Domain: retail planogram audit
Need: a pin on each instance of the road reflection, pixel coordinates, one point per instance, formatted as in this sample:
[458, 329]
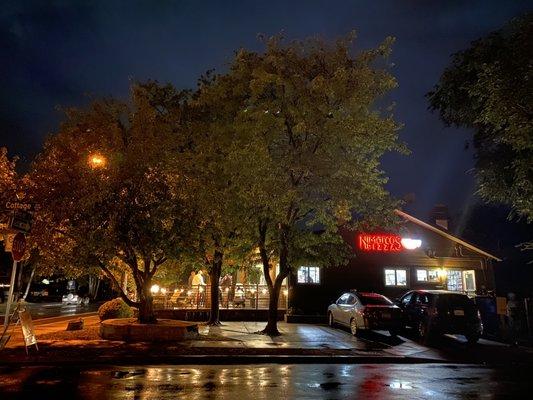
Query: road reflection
[262, 382]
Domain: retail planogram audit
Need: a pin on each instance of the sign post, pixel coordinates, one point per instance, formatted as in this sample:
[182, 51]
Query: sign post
[17, 252]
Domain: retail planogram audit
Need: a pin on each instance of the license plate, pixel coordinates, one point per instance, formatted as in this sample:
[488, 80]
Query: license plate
[385, 315]
[459, 312]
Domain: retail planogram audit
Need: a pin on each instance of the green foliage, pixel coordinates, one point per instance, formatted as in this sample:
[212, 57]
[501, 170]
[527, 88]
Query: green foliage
[488, 88]
[306, 144]
[309, 138]
[127, 212]
[115, 308]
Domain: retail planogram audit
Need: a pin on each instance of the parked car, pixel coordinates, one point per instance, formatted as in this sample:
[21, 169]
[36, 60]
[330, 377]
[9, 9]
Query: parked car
[362, 311]
[73, 298]
[439, 311]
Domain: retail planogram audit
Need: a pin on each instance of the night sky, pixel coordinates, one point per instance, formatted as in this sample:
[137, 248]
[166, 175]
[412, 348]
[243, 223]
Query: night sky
[58, 52]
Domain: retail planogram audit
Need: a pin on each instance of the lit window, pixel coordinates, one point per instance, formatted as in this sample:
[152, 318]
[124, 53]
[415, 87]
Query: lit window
[433, 275]
[421, 275]
[395, 277]
[309, 275]
[427, 275]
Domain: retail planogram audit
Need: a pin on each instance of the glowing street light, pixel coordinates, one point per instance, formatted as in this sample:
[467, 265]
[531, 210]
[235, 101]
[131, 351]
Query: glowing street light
[154, 289]
[97, 160]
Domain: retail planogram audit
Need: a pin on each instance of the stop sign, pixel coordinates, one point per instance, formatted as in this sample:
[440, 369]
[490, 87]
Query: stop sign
[19, 247]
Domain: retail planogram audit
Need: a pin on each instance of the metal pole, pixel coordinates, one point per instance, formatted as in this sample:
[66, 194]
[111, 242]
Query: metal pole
[10, 295]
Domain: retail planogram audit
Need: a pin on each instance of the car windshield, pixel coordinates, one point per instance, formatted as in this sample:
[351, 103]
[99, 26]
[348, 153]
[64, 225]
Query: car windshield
[454, 300]
[374, 299]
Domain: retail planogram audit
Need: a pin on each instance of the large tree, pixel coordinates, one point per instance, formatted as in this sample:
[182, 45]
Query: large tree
[306, 154]
[488, 88]
[108, 200]
[210, 184]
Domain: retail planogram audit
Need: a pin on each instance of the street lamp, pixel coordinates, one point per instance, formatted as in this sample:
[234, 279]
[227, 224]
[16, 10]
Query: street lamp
[97, 160]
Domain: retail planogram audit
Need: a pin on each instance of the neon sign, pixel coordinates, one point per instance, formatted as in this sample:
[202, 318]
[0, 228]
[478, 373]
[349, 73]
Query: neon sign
[385, 243]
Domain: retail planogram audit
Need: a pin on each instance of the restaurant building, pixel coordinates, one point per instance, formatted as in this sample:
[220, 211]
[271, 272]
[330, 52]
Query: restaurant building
[419, 255]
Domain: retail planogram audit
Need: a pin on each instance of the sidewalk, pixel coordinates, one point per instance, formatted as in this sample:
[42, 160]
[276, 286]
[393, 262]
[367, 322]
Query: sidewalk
[238, 342]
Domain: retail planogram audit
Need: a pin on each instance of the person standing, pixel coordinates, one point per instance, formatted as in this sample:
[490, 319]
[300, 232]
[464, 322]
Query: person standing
[198, 283]
[225, 286]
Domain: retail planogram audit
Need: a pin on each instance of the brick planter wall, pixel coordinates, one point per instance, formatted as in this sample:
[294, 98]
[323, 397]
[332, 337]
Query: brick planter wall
[128, 329]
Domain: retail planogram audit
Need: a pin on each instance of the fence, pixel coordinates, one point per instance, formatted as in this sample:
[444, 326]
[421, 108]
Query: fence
[240, 296]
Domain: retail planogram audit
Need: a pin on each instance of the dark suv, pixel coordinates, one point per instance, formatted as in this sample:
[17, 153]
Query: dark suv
[440, 311]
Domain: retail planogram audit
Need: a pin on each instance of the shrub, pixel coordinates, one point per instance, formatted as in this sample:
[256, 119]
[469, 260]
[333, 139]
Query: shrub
[115, 308]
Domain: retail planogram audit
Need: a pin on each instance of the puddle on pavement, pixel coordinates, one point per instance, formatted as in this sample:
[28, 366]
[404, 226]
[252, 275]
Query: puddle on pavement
[400, 385]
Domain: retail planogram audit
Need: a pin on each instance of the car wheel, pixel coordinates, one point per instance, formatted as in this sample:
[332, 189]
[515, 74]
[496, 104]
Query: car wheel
[331, 320]
[353, 327]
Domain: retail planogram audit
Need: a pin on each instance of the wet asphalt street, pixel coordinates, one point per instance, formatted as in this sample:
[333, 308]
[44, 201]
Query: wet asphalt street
[57, 309]
[267, 381]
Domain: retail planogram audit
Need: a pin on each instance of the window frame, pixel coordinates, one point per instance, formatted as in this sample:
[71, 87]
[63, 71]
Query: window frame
[428, 272]
[338, 302]
[409, 297]
[308, 267]
[396, 269]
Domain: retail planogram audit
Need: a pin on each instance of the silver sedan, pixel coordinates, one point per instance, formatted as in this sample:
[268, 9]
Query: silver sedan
[362, 310]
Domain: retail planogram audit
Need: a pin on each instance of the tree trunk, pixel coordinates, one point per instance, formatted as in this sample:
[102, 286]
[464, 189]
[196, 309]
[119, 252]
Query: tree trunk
[214, 275]
[94, 284]
[146, 304]
[97, 287]
[271, 329]
[274, 289]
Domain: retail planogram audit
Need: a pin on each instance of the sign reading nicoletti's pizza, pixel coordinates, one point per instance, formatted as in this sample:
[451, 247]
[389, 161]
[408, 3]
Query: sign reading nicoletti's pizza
[386, 243]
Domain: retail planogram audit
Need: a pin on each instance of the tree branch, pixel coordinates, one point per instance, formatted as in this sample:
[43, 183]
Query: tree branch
[263, 253]
[110, 275]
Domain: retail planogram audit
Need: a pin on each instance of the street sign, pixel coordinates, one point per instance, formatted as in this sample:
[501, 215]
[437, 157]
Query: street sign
[21, 221]
[18, 247]
[19, 205]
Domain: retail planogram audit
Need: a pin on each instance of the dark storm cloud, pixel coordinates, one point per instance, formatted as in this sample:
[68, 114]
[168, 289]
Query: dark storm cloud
[55, 52]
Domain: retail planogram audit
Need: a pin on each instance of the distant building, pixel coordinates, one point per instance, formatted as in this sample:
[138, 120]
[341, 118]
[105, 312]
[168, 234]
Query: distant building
[420, 255]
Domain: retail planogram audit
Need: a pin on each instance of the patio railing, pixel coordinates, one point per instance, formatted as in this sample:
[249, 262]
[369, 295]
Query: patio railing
[240, 296]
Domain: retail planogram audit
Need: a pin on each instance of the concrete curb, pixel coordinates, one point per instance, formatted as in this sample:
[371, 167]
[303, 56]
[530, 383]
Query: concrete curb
[224, 359]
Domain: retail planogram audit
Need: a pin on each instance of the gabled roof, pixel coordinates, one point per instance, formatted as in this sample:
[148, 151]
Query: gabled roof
[444, 234]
